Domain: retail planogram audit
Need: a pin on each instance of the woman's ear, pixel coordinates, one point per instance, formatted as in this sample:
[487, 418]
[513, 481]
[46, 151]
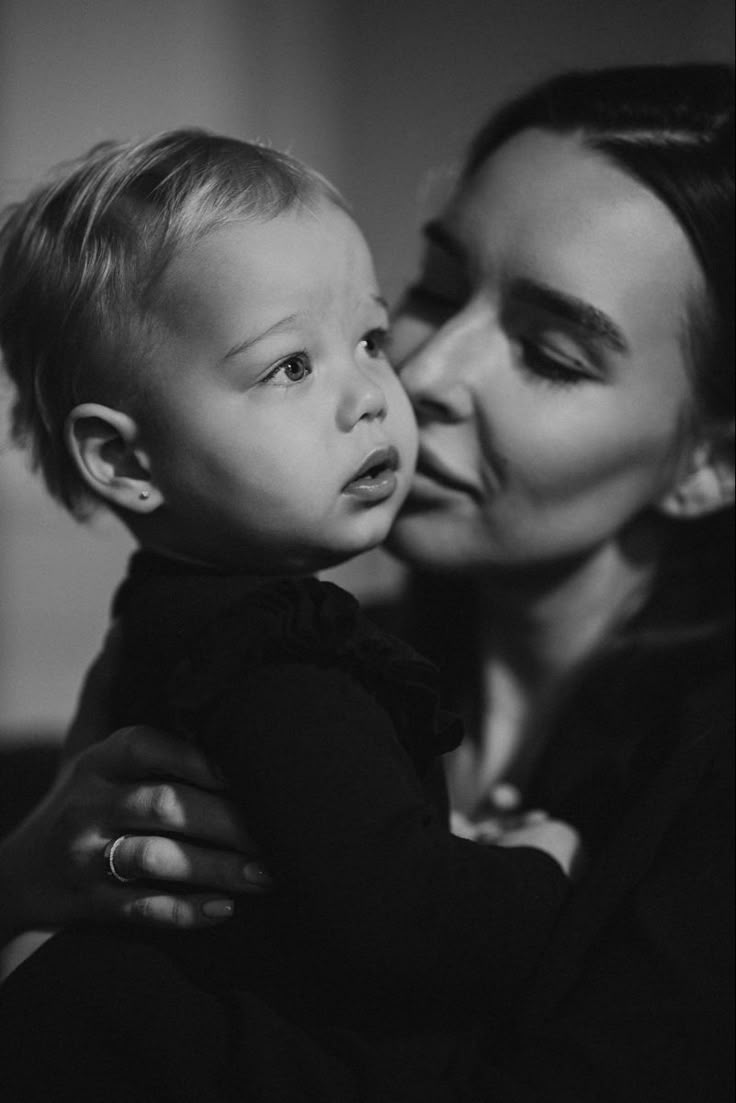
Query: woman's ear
[708, 484]
[105, 446]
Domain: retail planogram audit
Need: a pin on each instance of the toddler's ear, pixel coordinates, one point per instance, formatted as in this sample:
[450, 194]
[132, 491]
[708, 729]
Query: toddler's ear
[105, 446]
[708, 484]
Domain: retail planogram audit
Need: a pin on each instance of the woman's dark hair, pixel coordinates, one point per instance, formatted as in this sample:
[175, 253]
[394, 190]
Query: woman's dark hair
[671, 128]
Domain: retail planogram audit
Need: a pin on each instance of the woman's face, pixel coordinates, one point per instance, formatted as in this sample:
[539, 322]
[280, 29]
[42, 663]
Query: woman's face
[544, 348]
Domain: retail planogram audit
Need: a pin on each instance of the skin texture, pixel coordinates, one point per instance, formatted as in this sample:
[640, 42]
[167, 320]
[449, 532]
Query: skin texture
[540, 440]
[271, 388]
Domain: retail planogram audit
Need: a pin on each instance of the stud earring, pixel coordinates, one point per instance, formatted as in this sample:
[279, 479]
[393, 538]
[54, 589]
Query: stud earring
[144, 494]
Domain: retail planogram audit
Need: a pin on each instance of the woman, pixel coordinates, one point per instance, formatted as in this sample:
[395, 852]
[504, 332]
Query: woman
[569, 352]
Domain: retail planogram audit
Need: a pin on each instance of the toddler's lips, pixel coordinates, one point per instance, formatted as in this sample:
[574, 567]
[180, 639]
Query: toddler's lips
[375, 479]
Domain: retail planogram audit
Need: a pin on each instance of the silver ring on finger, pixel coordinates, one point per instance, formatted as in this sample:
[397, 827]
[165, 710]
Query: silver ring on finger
[109, 852]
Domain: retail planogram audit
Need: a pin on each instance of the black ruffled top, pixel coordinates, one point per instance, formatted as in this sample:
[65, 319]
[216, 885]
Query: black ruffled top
[189, 633]
[386, 942]
[329, 732]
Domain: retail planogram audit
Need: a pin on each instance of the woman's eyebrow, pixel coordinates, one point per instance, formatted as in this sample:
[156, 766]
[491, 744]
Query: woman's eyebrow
[582, 315]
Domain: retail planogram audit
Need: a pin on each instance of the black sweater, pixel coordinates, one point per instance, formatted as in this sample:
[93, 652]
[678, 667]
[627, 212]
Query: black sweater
[388, 941]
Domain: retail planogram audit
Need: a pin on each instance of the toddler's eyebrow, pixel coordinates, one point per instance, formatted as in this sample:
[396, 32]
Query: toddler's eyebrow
[277, 327]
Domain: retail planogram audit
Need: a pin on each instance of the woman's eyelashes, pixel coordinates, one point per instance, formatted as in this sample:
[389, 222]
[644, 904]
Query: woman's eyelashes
[544, 362]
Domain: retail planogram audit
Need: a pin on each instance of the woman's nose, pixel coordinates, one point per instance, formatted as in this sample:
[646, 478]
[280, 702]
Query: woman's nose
[362, 399]
[433, 375]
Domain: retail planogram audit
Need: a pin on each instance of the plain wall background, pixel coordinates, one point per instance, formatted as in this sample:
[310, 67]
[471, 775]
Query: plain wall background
[381, 95]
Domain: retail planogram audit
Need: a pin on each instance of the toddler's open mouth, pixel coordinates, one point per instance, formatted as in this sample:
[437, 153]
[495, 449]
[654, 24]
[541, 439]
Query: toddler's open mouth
[375, 479]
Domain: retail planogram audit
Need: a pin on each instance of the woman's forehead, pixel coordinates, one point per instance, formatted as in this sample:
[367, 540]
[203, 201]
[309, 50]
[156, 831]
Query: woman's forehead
[553, 184]
[547, 208]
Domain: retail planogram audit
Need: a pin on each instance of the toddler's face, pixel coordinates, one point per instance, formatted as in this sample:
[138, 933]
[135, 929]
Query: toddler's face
[279, 435]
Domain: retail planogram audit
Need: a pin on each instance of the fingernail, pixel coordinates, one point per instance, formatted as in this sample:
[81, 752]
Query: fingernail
[255, 874]
[218, 909]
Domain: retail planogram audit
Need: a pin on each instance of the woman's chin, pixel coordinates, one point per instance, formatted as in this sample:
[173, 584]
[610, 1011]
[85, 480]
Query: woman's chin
[426, 544]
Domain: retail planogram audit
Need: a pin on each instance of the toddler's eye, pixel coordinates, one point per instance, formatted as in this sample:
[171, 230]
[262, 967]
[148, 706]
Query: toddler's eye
[374, 342]
[294, 369]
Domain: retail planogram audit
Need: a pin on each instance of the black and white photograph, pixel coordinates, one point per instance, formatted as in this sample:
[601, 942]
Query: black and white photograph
[366, 551]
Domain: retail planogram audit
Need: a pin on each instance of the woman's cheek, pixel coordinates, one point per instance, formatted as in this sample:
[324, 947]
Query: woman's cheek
[616, 472]
[408, 335]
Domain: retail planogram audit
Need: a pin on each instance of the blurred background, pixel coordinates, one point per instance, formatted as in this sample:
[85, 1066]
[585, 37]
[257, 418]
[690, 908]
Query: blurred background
[381, 95]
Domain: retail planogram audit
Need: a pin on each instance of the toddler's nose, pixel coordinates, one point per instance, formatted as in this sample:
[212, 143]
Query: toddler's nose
[363, 398]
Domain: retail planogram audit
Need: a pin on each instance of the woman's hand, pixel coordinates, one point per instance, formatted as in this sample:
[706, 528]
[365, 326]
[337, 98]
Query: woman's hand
[181, 843]
[558, 839]
[532, 828]
[184, 848]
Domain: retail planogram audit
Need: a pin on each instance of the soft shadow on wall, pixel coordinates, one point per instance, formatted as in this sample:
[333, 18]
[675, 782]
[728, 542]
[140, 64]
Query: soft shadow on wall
[380, 96]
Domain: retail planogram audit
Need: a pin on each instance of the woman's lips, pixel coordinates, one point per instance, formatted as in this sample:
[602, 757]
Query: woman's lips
[375, 480]
[431, 470]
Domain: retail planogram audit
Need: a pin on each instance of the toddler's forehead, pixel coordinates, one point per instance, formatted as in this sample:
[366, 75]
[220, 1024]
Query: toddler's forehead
[252, 235]
[300, 260]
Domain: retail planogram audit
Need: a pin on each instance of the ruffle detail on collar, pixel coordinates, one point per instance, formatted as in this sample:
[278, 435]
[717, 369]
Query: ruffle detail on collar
[305, 619]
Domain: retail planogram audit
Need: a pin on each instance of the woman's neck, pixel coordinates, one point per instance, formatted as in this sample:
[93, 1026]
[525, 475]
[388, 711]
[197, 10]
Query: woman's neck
[543, 624]
[535, 631]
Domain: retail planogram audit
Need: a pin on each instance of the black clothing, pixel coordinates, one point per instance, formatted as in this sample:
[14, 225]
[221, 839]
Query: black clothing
[633, 998]
[632, 1001]
[387, 942]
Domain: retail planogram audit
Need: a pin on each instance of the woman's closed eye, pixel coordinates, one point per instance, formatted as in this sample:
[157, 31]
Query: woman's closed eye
[291, 370]
[550, 364]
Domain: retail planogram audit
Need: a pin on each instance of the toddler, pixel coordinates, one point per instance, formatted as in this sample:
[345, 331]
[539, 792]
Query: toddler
[198, 341]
